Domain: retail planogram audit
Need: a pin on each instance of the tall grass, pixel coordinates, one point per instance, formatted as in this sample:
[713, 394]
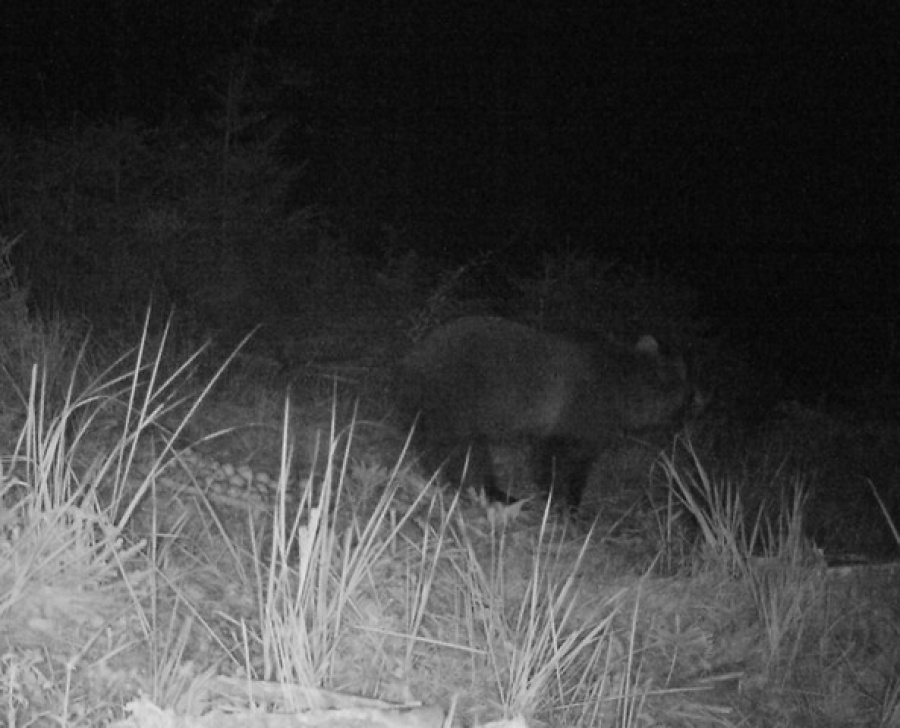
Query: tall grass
[68, 504]
[546, 658]
[410, 594]
[316, 570]
[780, 569]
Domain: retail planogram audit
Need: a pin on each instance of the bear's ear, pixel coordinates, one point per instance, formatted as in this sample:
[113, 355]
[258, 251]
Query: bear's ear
[647, 345]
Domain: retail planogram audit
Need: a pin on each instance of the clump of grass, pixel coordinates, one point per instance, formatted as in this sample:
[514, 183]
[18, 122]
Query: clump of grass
[551, 647]
[68, 503]
[316, 570]
[781, 570]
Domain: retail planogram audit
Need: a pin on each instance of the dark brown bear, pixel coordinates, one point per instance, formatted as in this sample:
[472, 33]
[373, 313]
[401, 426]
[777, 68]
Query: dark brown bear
[482, 381]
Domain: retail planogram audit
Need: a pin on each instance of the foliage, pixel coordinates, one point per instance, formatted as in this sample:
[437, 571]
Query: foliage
[117, 214]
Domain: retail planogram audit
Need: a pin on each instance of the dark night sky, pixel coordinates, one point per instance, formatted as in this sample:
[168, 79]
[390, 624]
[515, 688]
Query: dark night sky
[753, 148]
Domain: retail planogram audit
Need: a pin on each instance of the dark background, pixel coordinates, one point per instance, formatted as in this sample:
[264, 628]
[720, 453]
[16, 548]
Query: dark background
[749, 149]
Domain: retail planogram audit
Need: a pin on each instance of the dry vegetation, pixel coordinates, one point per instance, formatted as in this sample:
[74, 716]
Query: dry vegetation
[136, 591]
[363, 594]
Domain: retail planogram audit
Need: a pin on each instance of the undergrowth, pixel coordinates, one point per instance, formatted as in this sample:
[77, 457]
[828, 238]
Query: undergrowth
[124, 601]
